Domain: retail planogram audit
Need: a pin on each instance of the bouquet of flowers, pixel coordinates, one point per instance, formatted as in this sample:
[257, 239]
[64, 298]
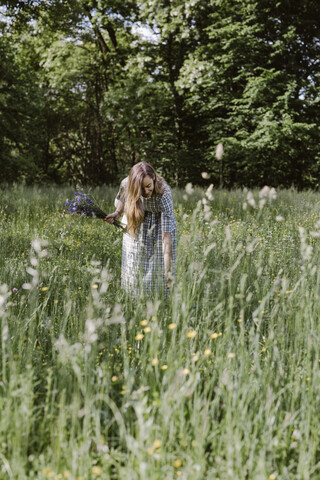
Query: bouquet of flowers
[83, 205]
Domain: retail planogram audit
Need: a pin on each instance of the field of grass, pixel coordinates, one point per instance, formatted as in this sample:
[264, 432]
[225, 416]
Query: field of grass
[219, 381]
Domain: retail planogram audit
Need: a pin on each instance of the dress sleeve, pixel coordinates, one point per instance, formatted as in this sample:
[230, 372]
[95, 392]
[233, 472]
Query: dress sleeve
[122, 194]
[167, 213]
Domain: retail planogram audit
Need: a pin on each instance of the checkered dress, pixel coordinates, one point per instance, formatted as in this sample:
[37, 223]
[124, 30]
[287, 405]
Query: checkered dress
[142, 267]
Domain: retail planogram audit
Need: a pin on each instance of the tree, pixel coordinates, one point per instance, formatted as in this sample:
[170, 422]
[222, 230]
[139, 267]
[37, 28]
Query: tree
[80, 50]
[17, 156]
[257, 90]
[88, 95]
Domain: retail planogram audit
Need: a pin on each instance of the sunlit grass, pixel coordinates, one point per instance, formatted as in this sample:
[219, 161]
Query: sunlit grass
[219, 381]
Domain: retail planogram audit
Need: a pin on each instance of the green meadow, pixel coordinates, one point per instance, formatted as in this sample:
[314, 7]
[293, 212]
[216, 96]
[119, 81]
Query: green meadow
[220, 381]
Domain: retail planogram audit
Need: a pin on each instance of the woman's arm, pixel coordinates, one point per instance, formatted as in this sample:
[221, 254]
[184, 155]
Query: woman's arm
[119, 202]
[119, 210]
[119, 207]
[167, 257]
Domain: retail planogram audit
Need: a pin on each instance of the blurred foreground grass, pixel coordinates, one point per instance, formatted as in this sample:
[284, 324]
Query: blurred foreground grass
[220, 381]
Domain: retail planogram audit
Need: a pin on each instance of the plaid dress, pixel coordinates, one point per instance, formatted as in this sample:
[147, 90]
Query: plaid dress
[142, 266]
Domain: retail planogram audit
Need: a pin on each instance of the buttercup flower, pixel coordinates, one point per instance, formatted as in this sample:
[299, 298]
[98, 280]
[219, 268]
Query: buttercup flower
[215, 335]
[191, 333]
[172, 326]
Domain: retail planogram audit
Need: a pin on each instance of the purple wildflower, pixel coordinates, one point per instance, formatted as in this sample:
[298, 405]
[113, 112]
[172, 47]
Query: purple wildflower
[83, 205]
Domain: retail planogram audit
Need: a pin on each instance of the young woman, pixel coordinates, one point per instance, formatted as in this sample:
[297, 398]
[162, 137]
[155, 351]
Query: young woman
[150, 244]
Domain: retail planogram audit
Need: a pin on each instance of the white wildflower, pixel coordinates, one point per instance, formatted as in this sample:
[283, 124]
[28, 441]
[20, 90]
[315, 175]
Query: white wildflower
[189, 188]
[264, 192]
[251, 200]
[272, 194]
[219, 151]
[262, 203]
[296, 434]
[209, 192]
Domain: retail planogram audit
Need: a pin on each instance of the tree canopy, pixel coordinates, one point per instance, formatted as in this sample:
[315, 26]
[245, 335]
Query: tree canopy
[90, 87]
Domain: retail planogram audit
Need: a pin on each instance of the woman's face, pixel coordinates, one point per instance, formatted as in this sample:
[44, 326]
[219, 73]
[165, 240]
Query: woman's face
[147, 186]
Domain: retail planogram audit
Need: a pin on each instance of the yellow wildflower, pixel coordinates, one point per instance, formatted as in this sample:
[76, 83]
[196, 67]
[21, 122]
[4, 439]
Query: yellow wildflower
[191, 334]
[96, 471]
[157, 443]
[139, 336]
[215, 335]
[47, 472]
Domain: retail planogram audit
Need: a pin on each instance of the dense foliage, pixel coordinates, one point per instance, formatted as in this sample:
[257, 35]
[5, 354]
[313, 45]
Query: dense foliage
[88, 88]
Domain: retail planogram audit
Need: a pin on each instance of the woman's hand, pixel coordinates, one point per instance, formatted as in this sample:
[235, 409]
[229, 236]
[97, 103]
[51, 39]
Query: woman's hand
[111, 217]
[169, 279]
[117, 214]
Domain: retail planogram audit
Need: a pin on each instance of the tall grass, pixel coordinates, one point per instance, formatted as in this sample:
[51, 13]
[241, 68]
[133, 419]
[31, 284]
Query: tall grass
[220, 381]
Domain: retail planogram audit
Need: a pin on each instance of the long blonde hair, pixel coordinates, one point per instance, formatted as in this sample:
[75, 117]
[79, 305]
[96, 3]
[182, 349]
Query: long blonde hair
[133, 206]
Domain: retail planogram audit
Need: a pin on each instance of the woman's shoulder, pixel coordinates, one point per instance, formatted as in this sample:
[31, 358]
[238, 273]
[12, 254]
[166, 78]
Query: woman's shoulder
[123, 190]
[124, 182]
[166, 198]
[124, 185]
[166, 191]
